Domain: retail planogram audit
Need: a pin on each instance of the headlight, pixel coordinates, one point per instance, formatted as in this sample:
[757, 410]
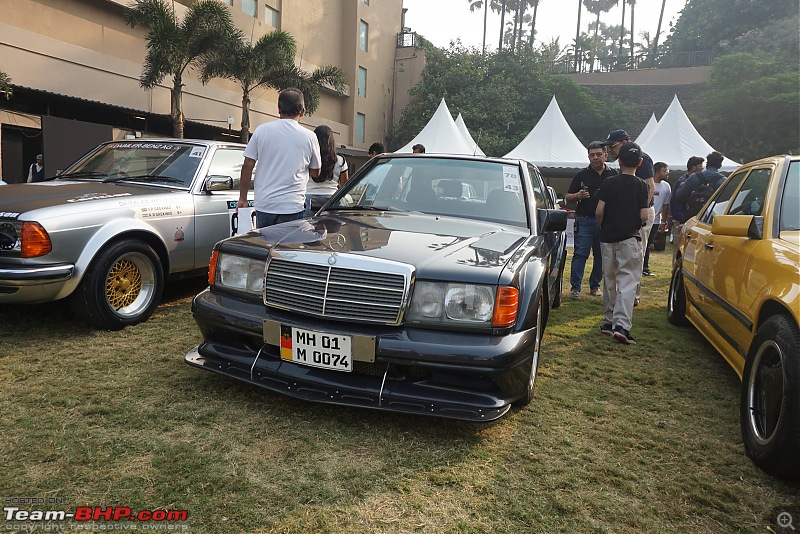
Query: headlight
[452, 303]
[240, 273]
[28, 239]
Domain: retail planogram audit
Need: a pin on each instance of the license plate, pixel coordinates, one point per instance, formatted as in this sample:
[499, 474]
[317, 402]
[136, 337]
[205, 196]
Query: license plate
[317, 349]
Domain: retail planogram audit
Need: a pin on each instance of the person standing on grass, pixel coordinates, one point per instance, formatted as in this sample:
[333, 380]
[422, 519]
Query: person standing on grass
[622, 210]
[375, 149]
[661, 196]
[288, 154]
[583, 190]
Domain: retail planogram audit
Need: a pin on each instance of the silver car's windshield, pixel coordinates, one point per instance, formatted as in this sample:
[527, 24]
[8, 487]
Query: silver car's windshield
[167, 163]
[473, 189]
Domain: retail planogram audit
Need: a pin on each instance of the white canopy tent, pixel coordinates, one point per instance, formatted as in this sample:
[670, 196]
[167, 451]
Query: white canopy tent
[675, 140]
[647, 131]
[441, 135]
[462, 127]
[552, 143]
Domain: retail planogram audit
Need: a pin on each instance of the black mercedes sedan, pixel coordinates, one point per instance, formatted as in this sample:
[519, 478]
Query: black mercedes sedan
[422, 286]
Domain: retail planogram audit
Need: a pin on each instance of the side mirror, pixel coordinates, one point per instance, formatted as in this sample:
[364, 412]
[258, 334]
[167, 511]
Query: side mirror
[218, 183]
[553, 220]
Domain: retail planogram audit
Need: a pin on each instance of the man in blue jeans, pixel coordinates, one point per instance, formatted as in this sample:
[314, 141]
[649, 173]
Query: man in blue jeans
[583, 190]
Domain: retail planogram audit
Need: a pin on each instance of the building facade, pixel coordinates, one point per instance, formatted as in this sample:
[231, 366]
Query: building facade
[75, 63]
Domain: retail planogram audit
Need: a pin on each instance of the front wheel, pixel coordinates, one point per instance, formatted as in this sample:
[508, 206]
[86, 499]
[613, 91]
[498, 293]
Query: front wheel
[676, 302]
[770, 399]
[537, 345]
[121, 287]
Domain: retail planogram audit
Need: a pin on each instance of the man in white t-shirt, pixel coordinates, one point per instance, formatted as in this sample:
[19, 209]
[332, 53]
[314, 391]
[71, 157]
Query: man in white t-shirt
[662, 193]
[287, 154]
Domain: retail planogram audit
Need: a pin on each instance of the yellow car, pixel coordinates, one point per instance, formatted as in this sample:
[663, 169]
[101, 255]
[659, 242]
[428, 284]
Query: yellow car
[736, 278]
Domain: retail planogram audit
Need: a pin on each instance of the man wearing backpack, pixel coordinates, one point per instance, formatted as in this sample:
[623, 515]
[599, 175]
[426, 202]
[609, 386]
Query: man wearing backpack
[699, 187]
[695, 164]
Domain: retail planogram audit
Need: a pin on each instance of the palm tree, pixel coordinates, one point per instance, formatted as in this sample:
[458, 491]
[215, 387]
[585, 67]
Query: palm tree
[658, 32]
[502, 24]
[267, 63]
[621, 32]
[578, 37]
[597, 7]
[5, 85]
[481, 4]
[173, 46]
[633, 15]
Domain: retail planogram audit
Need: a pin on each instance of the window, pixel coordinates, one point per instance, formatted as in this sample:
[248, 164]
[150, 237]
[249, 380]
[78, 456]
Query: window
[229, 2]
[363, 32]
[719, 204]
[365, 2]
[790, 204]
[360, 120]
[228, 162]
[272, 17]
[250, 7]
[750, 198]
[362, 81]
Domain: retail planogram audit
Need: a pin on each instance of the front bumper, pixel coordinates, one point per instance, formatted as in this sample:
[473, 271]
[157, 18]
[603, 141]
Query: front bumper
[33, 283]
[455, 375]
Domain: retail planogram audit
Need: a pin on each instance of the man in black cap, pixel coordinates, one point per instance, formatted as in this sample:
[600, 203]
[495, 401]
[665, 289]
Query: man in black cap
[646, 171]
[622, 208]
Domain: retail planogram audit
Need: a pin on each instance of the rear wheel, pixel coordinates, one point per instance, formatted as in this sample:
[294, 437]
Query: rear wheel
[121, 287]
[770, 400]
[676, 302]
[537, 344]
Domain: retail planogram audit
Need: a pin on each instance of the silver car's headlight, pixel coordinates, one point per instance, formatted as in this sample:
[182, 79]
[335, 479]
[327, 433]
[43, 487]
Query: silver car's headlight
[240, 273]
[452, 303]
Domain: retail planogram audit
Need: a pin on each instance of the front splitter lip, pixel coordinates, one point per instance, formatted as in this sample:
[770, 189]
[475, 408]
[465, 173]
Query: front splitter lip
[345, 389]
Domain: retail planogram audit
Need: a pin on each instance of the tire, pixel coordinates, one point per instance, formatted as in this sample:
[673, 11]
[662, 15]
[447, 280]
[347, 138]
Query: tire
[121, 287]
[676, 302]
[770, 400]
[537, 345]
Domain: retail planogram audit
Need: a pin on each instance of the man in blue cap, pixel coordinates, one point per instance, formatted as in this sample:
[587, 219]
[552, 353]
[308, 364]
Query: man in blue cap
[646, 171]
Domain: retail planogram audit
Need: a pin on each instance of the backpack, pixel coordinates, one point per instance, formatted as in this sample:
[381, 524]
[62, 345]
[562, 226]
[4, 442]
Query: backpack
[700, 195]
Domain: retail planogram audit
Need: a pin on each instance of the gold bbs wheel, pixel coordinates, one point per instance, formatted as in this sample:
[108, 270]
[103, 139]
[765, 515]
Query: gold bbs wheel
[130, 284]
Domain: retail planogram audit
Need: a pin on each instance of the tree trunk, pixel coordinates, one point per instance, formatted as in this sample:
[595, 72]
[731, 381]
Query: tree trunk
[633, 51]
[485, 18]
[533, 23]
[518, 25]
[502, 25]
[658, 31]
[596, 35]
[176, 107]
[621, 33]
[244, 135]
[577, 38]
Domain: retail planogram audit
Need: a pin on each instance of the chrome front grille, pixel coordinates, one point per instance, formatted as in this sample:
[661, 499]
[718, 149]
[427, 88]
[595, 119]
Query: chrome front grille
[352, 289]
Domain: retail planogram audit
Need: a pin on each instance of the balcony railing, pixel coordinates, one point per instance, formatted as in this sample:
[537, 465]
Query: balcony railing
[406, 39]
[585, 64]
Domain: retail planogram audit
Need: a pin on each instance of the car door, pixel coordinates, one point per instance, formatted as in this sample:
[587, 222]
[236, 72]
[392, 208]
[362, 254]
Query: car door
[724, 263]
[215, 211]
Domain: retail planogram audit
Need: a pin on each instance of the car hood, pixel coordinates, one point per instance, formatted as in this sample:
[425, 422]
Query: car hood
[17, 199]
[441, 248]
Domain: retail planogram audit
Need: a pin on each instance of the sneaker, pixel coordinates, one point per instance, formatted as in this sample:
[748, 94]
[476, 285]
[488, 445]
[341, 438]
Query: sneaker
[596, 292]
[647, 272]
[607, 329]
[623, 336]
[574, 295]
[636, 302]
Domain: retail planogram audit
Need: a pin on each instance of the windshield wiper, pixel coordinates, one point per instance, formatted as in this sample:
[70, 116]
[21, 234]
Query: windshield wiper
[143, 178]
[364, 208]
[80, 174]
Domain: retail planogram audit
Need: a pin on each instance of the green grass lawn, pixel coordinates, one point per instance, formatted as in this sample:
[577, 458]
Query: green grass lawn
[641, 438]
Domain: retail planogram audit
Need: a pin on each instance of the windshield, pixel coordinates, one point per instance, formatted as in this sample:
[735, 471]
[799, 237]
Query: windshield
[473, 189]
[170, 163]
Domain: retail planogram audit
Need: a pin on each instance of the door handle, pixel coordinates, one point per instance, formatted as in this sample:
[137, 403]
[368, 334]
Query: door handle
[709, 246]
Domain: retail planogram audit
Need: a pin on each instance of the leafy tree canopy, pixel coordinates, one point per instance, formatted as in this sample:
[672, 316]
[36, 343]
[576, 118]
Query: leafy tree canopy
[501, 97]
[5, 85]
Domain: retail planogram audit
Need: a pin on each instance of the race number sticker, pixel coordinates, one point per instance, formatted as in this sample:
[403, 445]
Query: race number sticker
[243, 221]
[197, 152]
[511, 180]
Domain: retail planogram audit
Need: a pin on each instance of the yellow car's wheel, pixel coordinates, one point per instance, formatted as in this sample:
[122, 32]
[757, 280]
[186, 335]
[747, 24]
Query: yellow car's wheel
[676, 301]
[770, 401]
[121, 287]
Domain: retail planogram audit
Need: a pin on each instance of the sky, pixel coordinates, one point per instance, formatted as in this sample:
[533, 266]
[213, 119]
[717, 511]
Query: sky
[442, 21]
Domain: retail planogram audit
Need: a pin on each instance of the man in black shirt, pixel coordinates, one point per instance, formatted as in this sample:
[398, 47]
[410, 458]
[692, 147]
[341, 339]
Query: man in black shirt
[622, 209]
[583, 190]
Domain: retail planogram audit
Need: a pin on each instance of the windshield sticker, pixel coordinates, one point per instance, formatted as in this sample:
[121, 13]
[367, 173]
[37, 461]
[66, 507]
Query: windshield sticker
[97, 196]
[147, 145]
[511, 179]
[197, 152]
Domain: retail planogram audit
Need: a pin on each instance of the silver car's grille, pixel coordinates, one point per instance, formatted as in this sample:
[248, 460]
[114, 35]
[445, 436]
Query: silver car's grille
[336, 291]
